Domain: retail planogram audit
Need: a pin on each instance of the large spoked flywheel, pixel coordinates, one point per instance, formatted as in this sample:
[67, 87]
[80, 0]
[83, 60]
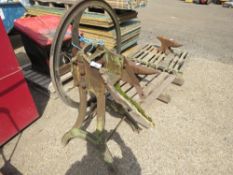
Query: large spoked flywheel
[67, 43]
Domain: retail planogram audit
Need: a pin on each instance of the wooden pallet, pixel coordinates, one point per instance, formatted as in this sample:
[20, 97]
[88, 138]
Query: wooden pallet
[150, 56]
[170, 72]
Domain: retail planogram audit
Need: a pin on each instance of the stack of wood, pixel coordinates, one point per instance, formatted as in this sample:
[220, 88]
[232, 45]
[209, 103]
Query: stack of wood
[98, 25]
[130, 32]
[88, 18]
[127, 4]
[116, 4]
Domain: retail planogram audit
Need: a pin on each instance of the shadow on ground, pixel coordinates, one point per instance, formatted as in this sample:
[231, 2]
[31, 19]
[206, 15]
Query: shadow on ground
[8, 168]
[40, 99]
[92, 165]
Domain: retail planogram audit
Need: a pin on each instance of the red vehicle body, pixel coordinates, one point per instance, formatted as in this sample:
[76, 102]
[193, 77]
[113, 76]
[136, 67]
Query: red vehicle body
[17, 108]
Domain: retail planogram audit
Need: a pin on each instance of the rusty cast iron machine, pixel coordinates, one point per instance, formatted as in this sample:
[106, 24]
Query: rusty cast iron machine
[96, 72]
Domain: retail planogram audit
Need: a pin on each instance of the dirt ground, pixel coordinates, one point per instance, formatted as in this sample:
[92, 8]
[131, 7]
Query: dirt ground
[193, 133]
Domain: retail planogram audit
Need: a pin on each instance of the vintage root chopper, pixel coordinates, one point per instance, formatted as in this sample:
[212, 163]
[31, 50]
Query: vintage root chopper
[101, 75]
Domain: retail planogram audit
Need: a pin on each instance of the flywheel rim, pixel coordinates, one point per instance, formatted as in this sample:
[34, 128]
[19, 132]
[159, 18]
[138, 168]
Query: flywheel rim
[75, 11]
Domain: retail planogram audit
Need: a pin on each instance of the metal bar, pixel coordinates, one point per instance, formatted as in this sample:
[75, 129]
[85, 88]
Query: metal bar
[115, 129]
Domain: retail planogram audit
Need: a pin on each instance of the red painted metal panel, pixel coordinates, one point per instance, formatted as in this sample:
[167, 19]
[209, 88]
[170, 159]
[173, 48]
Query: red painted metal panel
[37, 36]
[17, 108]
[41, 29]
[8, 65]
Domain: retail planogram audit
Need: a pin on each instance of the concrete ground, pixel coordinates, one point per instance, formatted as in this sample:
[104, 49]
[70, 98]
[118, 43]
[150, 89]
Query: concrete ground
[205, 31]
[193, 133]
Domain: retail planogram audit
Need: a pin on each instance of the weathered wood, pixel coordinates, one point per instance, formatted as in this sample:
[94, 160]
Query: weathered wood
[150, 56]
[180, 62]
[67, 6]
[140, 51]
[156, 89]
[172, 64]
[164, 98]
[51, 5]
[116, 4]
[89, 18]
[179, 80]
[160, 57]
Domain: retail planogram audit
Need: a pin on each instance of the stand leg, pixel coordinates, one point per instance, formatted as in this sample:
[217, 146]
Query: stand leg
[100, 113]
[82, 108]
[81, 116]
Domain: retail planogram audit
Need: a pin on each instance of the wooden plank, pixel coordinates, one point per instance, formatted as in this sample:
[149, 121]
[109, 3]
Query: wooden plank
[141, 51]
[145, 81]
[161, 56]
[110, 40]
[115, 4]
[156, 89]
[155, 57]
[149, 56]
[179, 80]
[131, 50]
[88, 18]
[173, 63]
[165, 98]
[180, 62]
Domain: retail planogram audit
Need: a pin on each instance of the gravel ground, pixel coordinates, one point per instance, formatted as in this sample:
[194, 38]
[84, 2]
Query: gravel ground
[193, 133]
[205, 31]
